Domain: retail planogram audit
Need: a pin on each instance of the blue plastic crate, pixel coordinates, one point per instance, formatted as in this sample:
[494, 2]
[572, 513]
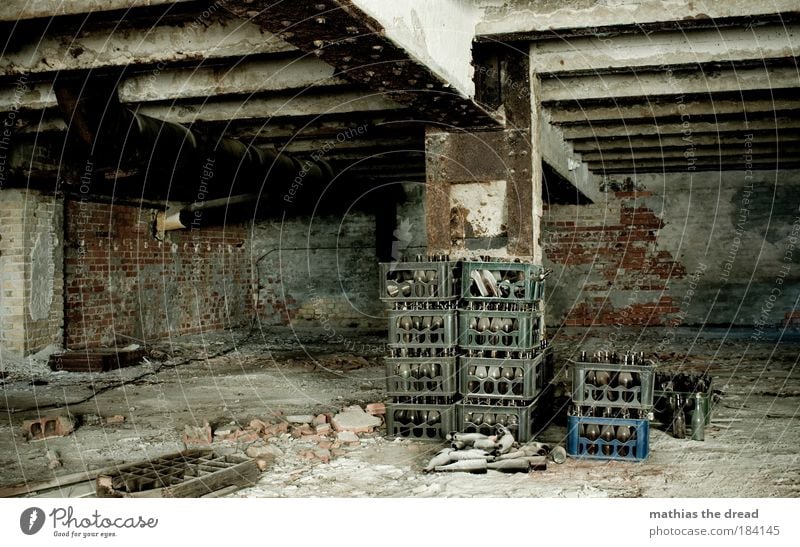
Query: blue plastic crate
[637, 448]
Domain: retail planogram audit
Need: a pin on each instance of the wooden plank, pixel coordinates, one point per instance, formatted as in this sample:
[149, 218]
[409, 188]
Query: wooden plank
[243, 474]
[57, 482]
[99, 360]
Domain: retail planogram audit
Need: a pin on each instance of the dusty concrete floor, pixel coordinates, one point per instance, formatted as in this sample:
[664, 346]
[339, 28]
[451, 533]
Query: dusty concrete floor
[750, 450]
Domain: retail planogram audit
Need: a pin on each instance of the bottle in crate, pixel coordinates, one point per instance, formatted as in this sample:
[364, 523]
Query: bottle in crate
[484, 416]
[502, 281]
[422, 329]
[427, 422]
[503, 378]
[611, 383]
[482, 330]
[421, 376]
[435, 280]
[603, 438]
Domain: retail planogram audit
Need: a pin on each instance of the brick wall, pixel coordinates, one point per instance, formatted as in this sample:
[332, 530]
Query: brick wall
[714, 249]
[31, 270]
[318, 271]
[123, 282]
[608, 263]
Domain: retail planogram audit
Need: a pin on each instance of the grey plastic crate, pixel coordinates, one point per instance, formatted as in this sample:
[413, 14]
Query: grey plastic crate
[502, 378]
[421, 376]
[524, 334]
[420, 422]
[419, 281]
[612, 395]
[505, 282]
[434, 329]
[520, 420]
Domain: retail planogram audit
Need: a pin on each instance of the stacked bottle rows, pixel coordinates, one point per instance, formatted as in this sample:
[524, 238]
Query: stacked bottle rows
[505, 362]
[612, 398]
[421, 369]
[468, 362]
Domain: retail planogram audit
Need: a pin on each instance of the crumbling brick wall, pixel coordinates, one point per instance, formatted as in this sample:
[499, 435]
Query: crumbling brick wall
[715, 249]
[122, 282]
[609, 268]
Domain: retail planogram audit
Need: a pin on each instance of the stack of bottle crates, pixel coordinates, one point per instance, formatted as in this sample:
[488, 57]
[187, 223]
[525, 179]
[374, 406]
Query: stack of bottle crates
[505, 362]
[612, 398]
[421, 368]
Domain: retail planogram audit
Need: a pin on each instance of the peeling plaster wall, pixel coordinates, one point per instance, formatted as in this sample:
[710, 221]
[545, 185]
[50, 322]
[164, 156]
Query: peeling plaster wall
[714, 248]
[41, 278]
[31, 270]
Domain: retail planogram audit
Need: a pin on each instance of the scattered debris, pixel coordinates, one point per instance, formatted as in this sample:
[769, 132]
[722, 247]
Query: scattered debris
[300, 419]
[302, 430]
[266, 452]
[226, 431]
[354, 419]
[376, 409]
[114, 420]
[347, 437]
[53, 459]
[51, 426]
[193, 434]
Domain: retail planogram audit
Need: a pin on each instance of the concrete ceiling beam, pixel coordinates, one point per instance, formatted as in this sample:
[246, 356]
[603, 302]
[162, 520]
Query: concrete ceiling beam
[110, 46]
[663, 83]
[241, 78]
[703, 164]
[639, 155]
[222, 109]
[248, 76]
[11, 11]
[778, 125]
[517, 19]
[624, 144]
[674, 107]
[596, 54]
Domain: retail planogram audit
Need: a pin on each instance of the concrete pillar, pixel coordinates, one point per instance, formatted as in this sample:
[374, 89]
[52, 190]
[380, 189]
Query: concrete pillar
[31, 270]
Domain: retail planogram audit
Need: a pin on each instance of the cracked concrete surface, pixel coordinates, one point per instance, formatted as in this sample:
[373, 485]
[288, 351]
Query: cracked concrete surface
[750, 448]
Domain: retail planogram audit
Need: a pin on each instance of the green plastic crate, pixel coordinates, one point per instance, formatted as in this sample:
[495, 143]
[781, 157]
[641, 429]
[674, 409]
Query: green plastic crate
[411, 421]
[516, 282]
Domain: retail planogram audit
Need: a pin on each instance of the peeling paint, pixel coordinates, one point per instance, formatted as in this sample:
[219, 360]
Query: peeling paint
[42, 274]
